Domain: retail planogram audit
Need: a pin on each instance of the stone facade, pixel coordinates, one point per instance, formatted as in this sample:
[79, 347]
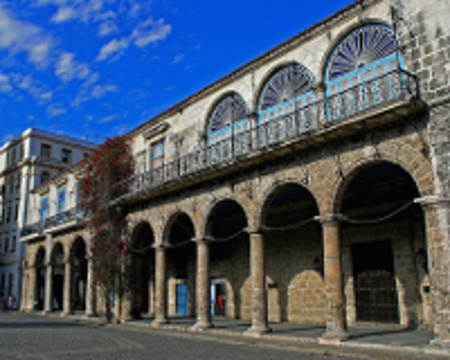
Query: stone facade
[328, 206]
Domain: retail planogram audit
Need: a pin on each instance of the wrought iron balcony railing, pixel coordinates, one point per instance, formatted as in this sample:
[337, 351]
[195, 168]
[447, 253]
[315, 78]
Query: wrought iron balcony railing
[291, 126]
[52, 221]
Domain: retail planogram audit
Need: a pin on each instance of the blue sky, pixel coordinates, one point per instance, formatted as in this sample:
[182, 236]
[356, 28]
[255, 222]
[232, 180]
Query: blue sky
[98, 68]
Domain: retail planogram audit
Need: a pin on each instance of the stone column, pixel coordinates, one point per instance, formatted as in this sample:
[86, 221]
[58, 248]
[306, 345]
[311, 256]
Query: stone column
[48, 307]
[67, 294]
[160, 285]
[203, 285]
[259, 295]
[336, 326]
[91, 294]
[437, 217]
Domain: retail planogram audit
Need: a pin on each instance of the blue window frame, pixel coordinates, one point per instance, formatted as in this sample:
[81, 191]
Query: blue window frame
[43, 211]
[228, 118]
[157, 154]
[61, 207]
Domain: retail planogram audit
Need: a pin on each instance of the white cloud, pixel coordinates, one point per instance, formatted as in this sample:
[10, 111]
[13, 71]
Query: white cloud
[177, 59]
[55, 109]
[144, 33]
[150, 31]
[107, 119]
[34, 88]
[63, 14]
[5, 86]
[67, 68]
[114, 46]
[19, 36]
[88, 91]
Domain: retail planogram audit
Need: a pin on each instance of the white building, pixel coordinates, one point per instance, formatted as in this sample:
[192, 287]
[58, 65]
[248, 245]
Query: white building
[25, 162]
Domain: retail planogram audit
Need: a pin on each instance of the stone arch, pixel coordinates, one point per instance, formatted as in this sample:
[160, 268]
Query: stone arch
[215, 206]
[40, 269]
[172, 218]
[271, 190]
[225, 227]
[271, 73]
[382, 233]
[292, 236]
[79, 270]
[413, 167]
[339, 38]
[209, 206]
[141, 272]
[179, 231]
[57, 261]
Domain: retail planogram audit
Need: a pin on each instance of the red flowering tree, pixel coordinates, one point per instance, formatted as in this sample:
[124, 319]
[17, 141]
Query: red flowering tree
[105, 170]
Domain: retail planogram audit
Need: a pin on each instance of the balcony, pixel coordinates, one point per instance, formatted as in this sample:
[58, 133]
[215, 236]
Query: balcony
[393, 95]
[57, 221]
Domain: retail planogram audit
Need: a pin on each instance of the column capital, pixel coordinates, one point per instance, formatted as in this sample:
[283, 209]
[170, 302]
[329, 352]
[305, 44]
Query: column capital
[330, 219]
[432, 201]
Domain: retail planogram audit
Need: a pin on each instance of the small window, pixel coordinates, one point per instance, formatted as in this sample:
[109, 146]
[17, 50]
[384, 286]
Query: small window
[13, 156]
[66, 156]
[11, 283]
[2, 284]
[46, 151]
[13, 245]
[45, 175]
[16, 213]
[6, 244]
[61, 201]
[8, 214]
[157, 154]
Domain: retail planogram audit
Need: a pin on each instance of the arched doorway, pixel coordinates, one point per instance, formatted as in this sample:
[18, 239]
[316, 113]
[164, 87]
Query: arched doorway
[229, 261]
[57, 262]
[181, 265]
[383, 237]
[79, 275]
[40, 268]
[142, 271]
[292, 237]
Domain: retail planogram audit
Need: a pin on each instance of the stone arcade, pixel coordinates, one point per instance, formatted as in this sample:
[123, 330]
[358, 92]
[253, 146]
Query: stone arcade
[310, 185]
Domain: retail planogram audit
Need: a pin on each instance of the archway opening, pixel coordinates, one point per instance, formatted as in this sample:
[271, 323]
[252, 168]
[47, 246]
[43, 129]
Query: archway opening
[142, 271]
[229, 261]
[292, 237]
[58, 272]
[40, 269]
[181, 266]
[384, 238]
[79, 275]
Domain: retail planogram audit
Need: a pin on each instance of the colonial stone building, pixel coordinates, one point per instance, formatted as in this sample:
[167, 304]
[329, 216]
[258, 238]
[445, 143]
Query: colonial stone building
[25, 162]
[310, 185]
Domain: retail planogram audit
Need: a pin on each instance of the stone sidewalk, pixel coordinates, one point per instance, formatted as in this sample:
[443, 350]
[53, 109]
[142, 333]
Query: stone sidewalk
[382, 341]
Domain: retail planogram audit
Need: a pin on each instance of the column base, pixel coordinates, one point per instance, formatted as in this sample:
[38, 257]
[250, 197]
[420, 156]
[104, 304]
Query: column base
[257, 331]
[201, 326]
[158, 322]
[335, 336]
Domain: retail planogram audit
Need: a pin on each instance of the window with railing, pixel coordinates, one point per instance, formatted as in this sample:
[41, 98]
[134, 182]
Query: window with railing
[286, 91]
[362, 57]
[157, 154]
[61, 206]
[43, 212]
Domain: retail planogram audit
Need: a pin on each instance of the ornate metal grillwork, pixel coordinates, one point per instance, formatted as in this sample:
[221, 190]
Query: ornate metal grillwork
[363, 46]
[287, 83]
[295, 124]
[228, 111]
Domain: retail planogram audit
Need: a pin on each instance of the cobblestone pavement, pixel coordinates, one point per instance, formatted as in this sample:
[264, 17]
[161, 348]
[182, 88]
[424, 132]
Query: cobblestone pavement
[42, 338]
